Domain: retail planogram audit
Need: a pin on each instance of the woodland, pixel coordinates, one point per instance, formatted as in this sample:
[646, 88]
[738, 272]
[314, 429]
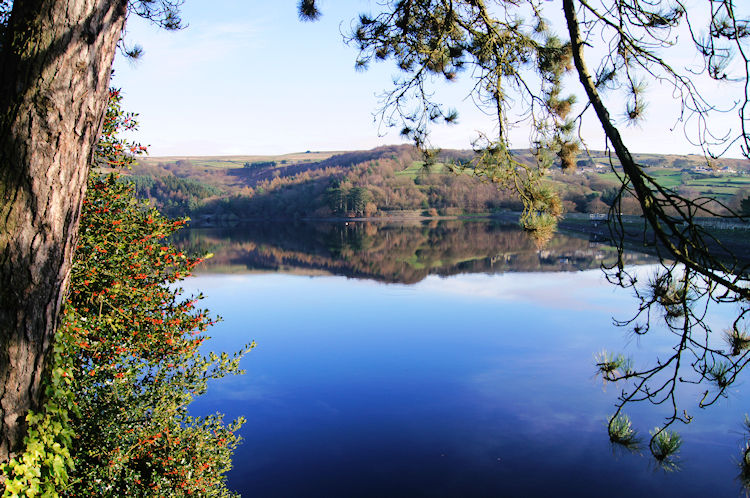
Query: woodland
[388, 181]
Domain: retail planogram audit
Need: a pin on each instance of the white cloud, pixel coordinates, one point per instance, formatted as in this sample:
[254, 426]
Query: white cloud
[570, 290]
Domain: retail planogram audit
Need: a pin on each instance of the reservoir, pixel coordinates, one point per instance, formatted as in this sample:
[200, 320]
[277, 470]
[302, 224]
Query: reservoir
[445, 359]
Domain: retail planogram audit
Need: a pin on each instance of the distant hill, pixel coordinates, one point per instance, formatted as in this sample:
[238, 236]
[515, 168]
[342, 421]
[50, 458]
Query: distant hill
[392, 179]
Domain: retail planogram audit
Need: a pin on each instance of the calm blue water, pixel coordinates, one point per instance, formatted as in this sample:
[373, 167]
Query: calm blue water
[468, 385]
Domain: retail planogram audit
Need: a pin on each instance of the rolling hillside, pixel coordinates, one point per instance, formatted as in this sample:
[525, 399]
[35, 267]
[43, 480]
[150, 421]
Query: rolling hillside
[391, 179]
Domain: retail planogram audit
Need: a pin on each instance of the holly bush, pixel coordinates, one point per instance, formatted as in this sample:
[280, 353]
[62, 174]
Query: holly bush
[127, 360]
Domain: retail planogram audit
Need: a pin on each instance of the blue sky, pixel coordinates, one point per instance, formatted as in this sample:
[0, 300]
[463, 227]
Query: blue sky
[247, 77]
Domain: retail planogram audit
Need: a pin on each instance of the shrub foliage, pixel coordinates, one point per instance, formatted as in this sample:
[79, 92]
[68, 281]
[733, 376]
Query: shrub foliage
[127, 360]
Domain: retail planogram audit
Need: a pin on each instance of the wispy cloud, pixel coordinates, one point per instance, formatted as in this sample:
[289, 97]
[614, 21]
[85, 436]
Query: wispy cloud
[199, 44]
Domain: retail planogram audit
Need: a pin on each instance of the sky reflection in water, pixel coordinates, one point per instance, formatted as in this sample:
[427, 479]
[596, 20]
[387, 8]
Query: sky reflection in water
[469, 385]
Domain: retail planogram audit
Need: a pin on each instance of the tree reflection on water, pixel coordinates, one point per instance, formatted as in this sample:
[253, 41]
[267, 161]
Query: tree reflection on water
[673, 298]
[394, 252]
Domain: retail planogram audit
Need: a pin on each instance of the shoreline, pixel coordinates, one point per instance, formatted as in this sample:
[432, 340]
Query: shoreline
[731, 236]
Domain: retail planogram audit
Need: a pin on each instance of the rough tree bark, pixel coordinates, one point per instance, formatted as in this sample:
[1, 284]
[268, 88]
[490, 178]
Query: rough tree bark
[55, 66]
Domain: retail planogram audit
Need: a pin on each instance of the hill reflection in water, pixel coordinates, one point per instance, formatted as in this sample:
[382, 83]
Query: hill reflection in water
[391, 252]
[478, 384]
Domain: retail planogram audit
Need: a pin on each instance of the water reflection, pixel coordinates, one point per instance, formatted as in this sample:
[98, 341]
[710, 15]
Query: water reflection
[390, 252]
[476, 382]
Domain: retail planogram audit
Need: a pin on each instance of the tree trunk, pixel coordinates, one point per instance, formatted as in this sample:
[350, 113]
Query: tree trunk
[56, 62]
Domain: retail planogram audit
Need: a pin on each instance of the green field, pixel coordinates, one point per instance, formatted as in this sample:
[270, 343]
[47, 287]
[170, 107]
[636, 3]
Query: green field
[231, 162]
[417, 168]
[712, 185]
